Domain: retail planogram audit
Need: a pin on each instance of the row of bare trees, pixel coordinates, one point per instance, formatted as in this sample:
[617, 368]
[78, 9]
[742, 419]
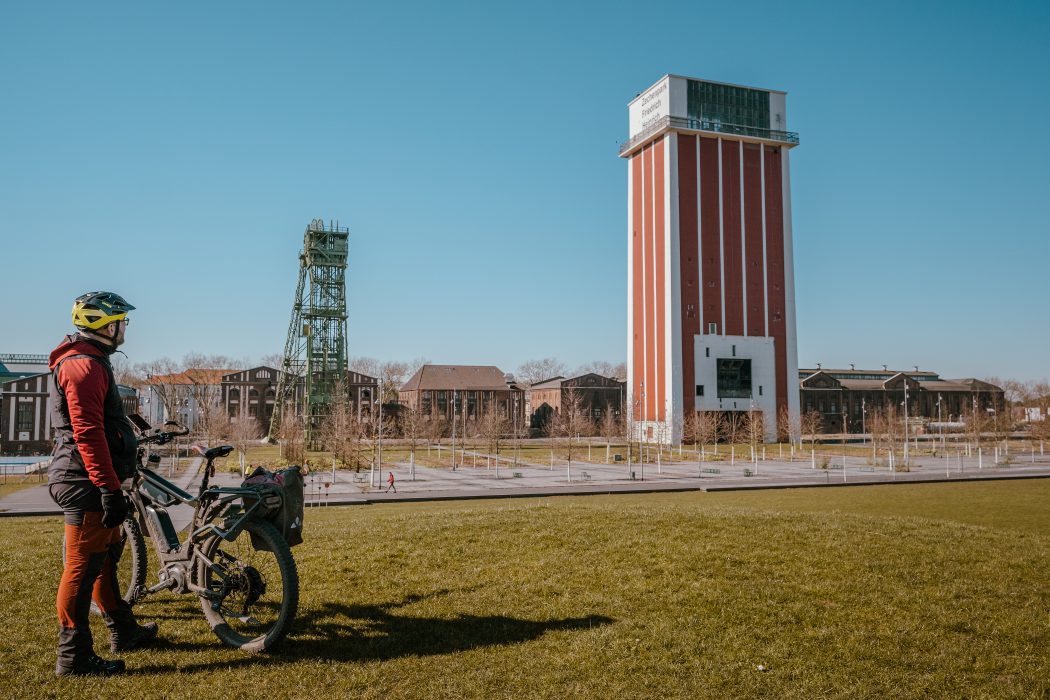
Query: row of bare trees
[533, 371]
[704, 428]
[195, 379]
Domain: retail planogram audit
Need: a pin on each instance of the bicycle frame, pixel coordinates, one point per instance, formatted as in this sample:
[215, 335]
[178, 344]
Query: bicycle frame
[175, 556]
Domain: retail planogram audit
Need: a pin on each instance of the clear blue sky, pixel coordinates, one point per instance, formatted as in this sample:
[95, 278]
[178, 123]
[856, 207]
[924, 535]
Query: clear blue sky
[175, 153]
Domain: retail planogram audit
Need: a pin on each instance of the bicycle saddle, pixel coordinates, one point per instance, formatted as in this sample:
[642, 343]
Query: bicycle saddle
[220, 451]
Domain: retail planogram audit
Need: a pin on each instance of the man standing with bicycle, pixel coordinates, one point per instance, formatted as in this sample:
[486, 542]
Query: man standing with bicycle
[95, 448]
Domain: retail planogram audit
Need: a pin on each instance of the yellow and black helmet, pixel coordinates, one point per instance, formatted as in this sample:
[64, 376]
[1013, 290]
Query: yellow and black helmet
[93, 310]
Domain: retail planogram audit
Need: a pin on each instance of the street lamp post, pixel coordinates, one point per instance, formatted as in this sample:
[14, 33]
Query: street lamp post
[630, 428]
[453, 430]
[940, 425]
[515, 431]
[380, 442]
[845, 418]
[905, 420]
[863, 417]
[641, 457]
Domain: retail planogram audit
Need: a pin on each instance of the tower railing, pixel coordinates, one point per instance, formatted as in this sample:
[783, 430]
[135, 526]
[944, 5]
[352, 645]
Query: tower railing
[709, 125]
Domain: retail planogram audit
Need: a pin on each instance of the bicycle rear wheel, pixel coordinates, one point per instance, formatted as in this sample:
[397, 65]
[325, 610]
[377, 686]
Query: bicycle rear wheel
[256, 591]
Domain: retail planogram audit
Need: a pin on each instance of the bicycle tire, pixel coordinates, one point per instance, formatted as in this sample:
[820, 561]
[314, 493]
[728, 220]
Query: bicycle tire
[247, 568]
[135, 548]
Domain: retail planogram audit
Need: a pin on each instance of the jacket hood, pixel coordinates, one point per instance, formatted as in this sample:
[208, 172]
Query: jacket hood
[74, 345]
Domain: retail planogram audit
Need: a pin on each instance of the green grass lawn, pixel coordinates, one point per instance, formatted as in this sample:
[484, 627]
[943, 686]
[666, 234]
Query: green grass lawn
[18, 483]
[935, 590]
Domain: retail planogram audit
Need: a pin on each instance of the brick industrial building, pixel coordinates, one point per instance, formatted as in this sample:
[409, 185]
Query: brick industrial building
[846, 398]
[711, 302]
[598, 396]
[25, 408]
[473, 390]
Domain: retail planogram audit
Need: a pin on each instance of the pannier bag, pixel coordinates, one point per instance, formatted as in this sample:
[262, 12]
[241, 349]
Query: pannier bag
[287, 516]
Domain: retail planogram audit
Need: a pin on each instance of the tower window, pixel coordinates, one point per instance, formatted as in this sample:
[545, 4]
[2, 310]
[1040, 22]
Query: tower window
[699, 389]
[734, 378]
[712, 328]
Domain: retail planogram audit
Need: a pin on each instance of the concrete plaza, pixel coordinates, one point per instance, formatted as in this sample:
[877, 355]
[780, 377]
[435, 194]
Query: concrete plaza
[532, 479]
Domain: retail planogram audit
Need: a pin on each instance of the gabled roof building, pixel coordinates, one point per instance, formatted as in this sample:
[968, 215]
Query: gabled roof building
[845, 398]
[598, 395]
[466, 391]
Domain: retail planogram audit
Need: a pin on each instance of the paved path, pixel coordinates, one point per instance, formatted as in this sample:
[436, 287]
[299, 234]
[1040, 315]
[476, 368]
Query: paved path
[532, 480]
[35, 500]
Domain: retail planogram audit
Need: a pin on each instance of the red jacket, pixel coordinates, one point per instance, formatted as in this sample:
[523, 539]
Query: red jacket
[85, 384]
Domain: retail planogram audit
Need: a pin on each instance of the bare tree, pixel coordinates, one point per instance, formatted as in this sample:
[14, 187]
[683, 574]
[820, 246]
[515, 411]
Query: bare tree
[416, 363]
[293, 437]
[572, 422]
[366, 365]
[126, 373]
[784, 424]
[811, 422]
[161, 376]
[215, 425]
[341, 431]
[494, 427]
[754, 429]
[1040, 429]
[629, 427]
[609, 428]
[1014, 391]
[203, 376]
[1041, 398]
[435, 429]
[893, 427]
[274, 360]
[702, 427]
[1002, 423]
[414, 426]
[533, 371]
[604, 368]
[877, 426]
[392, 375]
[734, 425]
[977, 424]
[690, 428]
[243, 433]
[372, 429]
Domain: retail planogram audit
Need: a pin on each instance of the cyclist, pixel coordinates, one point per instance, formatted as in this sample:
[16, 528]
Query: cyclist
[95, 448]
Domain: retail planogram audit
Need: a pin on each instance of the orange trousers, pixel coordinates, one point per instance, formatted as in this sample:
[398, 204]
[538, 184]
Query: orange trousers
[90, 571]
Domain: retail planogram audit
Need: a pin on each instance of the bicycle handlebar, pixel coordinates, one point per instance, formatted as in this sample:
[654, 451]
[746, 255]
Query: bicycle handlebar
[159, 437]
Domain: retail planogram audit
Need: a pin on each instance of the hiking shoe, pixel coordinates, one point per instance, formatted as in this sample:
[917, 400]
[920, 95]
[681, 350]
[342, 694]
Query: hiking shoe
[91, 666]
[135, 637]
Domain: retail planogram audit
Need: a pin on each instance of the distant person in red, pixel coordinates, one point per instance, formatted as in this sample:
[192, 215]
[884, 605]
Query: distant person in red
[390, 483]
[95, 449]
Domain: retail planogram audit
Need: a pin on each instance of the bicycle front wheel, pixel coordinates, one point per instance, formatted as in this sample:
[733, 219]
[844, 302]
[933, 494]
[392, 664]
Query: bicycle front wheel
[254, 591]
[131, 567]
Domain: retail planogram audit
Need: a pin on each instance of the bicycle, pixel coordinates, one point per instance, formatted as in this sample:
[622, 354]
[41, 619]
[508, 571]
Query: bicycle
[233, 559]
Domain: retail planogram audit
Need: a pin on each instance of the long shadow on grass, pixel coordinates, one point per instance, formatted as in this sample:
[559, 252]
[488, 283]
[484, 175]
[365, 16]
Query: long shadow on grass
[338, 632]
[372, 632]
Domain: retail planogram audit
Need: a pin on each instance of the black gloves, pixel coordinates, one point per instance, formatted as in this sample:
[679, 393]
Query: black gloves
[114, 508]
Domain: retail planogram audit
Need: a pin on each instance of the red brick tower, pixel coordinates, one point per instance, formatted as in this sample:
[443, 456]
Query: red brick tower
[711, 297]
